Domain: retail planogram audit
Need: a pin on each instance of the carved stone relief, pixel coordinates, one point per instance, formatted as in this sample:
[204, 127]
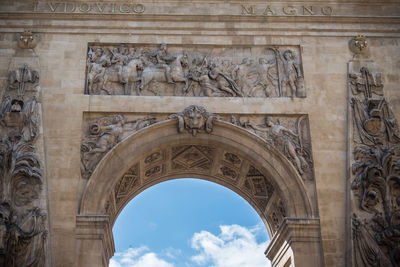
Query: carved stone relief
[103, 134]
[192, 157]
[212, 72]
[259, 185]
[194, 119]
[375, 182]
[277, 213]
[288, 134]
[220, 163]
[129, 180]
[22, 222]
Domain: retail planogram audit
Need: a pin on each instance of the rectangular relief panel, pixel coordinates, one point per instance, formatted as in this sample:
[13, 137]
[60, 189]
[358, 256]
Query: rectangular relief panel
[210, 71]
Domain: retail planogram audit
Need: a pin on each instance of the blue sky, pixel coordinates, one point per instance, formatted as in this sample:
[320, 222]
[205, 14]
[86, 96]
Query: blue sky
[189, 222]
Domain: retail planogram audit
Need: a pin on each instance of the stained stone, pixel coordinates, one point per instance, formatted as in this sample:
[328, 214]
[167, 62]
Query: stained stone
[292, 105]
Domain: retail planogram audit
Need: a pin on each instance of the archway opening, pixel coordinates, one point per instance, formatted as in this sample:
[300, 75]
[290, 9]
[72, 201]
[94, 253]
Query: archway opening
[229, 156]
[189, 222]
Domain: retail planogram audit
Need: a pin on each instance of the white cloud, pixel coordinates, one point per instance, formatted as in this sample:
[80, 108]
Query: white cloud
[138, 257]
[235, 246]
[171, 252]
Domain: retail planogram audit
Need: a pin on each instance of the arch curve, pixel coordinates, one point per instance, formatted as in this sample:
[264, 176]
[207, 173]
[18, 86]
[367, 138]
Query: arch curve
[229, 156]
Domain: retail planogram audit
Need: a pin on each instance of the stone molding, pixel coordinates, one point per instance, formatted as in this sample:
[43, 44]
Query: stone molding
[144, 25]
[96, 228]
[293, 234]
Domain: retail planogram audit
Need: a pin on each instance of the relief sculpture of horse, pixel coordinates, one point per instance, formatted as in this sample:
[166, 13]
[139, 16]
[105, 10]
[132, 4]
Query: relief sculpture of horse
[101, 76]
[157, 74]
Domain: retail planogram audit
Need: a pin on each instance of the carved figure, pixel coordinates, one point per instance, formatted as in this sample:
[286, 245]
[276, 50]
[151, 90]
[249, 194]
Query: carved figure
[240, 75]
[292, 76]
[267, 78]
[194, 119]
[120, 59]
[22, 241]
[105, 133]
[284, 138]
[157, 73]
[162, 59]
[131, 70]
[223, 82]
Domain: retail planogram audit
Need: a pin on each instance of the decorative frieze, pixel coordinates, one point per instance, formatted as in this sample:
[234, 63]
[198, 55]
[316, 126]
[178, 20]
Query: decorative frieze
[288, 134]
[210, 72]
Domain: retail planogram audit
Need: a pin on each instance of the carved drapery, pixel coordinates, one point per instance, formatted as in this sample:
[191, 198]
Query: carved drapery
[288, 134]
[211, 72]
[375, 165]
[22, 222]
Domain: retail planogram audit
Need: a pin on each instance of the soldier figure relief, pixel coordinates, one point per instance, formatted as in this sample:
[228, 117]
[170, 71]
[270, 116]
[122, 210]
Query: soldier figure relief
[123, 70]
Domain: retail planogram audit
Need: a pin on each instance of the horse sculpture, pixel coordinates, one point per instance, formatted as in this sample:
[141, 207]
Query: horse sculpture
[101, 76]
[156, 74]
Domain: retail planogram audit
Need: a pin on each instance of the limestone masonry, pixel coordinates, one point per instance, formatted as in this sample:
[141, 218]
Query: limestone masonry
[292, 105]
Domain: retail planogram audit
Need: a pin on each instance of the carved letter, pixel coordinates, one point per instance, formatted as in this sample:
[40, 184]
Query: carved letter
[53, 8]
[35, 6]
[87, 9]
[309, 10]
[269, 11]
[66, 7]
[289, 10]
[327, 10]
[248, 10]
[100, 7]
[124, 8]
[138, 8]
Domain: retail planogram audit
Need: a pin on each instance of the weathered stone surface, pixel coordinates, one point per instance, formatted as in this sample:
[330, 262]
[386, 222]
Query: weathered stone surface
[23, 219]
[210, 72]
[323, 42]
[375, 178]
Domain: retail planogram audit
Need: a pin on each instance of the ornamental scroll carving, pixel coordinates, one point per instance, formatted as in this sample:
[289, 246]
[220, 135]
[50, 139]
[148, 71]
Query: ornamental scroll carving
[216, 72]
[288, 134]
[22, 222]
[375, 183]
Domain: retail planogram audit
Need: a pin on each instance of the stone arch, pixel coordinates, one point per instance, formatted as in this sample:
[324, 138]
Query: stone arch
[229, 155]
